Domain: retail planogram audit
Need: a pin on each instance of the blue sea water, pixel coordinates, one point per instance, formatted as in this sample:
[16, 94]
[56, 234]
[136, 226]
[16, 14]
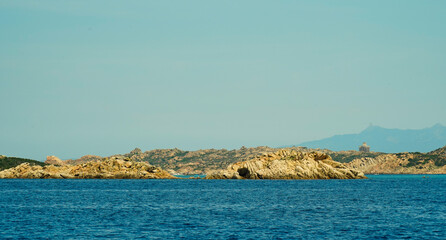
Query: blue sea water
[381, 207]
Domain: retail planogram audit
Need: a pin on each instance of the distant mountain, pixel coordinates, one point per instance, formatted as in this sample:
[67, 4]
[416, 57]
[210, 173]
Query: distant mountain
[386, 140]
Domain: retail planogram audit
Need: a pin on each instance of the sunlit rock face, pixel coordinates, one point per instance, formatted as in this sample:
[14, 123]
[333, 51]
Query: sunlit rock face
[288, 164]
[111, 168]
[54, 161]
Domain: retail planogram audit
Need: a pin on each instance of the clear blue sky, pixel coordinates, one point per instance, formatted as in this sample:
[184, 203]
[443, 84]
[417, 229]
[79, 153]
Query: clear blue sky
[103, 77]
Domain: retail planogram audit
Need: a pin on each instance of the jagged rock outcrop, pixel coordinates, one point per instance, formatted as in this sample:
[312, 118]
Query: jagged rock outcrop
[84, 159]
[54, 161]
[110, 168]
[382, 164]
[288, 164]
[59, 162]
[135, 151]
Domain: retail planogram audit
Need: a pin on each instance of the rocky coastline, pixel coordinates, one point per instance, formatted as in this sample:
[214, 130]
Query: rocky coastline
[208, 161]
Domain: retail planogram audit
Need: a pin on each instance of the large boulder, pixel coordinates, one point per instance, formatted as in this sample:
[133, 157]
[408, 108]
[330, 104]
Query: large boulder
[288, 164]
[54, 161]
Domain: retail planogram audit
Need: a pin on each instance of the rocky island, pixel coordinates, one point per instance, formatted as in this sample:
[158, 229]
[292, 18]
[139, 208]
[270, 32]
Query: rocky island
[207, 161]
[288, 164]
[107, 168]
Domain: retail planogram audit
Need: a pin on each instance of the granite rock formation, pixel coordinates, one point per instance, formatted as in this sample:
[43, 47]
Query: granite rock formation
[84, 159]
[109, 168]
[288, 164]
[53, 160]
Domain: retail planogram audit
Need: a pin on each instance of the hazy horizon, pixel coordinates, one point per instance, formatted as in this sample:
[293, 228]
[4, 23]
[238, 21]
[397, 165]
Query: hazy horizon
[238, 147]
[104, 77]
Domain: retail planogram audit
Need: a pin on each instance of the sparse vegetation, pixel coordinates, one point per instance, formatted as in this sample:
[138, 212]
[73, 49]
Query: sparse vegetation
[197, 162]
[346, 157]
[9, 162]
[424, 158]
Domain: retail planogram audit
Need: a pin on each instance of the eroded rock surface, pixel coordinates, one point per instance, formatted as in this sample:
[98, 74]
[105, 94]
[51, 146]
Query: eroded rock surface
[400, 163]
[54, 161]
[288, 164]
[110, 168]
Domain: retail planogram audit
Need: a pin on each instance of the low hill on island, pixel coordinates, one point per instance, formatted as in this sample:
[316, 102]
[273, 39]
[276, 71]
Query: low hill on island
[433, 162]
[386, 140]
[9, 162]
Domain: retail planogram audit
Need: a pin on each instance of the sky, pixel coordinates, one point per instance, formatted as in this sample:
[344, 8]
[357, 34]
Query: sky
[104, 77]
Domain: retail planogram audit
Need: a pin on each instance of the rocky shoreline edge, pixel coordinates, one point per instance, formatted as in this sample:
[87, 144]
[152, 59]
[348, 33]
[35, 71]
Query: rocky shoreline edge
[108, 168]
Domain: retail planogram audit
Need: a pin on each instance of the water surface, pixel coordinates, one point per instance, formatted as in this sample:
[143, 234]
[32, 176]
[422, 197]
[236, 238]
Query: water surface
[384, 206]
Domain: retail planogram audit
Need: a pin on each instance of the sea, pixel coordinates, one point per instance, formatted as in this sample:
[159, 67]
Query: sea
[381, 207]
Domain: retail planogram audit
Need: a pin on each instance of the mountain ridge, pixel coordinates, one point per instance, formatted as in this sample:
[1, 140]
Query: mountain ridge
[387, 140]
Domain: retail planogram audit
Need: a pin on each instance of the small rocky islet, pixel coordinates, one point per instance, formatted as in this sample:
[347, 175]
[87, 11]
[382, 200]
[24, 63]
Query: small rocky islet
[288, 164]
[107, 168]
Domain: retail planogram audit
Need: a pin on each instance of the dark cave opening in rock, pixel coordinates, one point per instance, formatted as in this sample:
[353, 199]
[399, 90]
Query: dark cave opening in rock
[243, 172]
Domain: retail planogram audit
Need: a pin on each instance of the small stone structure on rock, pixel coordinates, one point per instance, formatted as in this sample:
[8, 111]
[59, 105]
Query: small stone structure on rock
[364, 148]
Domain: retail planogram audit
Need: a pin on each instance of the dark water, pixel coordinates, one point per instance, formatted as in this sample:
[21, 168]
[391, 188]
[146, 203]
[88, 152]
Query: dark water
[383, 207]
